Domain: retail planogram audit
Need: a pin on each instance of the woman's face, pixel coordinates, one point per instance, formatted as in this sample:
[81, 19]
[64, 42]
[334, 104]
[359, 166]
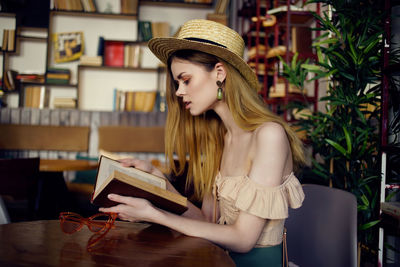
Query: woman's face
[195, 85]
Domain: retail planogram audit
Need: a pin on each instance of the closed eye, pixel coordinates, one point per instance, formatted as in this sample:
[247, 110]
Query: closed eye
[176, 84]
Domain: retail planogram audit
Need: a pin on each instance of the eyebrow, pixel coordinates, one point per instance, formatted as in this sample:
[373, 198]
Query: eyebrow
[180, 75]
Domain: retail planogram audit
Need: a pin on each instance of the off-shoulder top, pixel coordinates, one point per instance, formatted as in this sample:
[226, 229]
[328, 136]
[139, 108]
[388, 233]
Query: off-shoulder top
[241, 193]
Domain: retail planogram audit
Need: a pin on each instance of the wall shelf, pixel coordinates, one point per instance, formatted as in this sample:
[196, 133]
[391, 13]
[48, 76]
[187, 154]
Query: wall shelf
[117, 68]
[94, 14]
[173, 4]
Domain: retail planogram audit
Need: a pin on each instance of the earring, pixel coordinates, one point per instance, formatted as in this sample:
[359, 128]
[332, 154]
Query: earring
[219, 92]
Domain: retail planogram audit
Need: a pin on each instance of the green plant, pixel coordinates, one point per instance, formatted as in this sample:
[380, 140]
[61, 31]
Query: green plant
[345, 137]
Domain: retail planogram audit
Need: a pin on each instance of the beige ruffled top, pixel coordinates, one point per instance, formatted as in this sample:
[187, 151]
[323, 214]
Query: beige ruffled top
[241, 193]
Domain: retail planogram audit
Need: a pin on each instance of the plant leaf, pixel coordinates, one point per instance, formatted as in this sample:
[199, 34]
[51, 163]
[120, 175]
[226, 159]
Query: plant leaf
[369, 225]
[337, 146]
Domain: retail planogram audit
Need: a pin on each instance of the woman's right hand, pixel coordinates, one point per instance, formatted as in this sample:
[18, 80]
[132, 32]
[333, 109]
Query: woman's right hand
[143, 165]
[193, 212]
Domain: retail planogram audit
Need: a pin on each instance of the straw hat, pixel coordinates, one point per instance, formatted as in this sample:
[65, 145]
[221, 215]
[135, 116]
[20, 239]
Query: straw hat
[209, 37]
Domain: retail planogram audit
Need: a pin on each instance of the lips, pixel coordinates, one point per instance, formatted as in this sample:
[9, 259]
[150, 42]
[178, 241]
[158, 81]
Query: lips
[187, 104]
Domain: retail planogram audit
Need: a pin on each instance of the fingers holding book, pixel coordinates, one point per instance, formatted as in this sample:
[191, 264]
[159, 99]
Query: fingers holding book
[142, 165]
[131, 208]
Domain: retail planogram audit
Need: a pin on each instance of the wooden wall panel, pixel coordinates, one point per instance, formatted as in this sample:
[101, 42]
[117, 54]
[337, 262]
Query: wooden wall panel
[78, 118]
[40, 137]
[131, 139]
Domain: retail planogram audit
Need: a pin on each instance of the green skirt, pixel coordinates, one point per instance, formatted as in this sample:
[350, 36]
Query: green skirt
[268, 256]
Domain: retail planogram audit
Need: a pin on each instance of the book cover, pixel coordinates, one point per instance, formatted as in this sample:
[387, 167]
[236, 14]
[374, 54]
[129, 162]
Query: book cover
[68, 46]
[145, 31]
[5, 40]
[114, 178]
[100, 46]
[114, 54]
[108, 6]
[11, 80]
[11, 40]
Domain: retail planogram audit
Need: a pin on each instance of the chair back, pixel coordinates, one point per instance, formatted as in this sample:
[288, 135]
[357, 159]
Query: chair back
[323, 232]
[4, 217]
[18, 187]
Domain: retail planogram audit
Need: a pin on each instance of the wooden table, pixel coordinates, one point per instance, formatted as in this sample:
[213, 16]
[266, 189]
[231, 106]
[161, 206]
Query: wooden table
[60, 165]
[39, 243]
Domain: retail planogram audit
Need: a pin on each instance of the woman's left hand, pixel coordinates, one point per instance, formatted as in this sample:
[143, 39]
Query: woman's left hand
[130, 208]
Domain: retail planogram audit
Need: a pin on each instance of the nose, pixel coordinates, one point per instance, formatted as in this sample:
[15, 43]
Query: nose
[180, 91]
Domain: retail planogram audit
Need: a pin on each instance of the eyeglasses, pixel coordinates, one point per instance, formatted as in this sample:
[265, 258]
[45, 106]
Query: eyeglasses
[71, 222]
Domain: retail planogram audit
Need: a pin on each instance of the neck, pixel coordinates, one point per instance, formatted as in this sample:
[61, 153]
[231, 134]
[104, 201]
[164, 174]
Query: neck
[233, 129]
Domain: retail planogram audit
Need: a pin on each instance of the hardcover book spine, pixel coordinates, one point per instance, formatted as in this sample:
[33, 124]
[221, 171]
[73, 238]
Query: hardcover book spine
[114, 54]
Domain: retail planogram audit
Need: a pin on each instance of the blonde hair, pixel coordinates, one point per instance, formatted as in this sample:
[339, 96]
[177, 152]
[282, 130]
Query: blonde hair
[199, 140]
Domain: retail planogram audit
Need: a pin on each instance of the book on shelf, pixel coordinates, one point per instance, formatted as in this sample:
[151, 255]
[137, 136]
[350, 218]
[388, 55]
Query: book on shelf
[58, 70]
[197, 1]
[70, 5]
[129, 7]
[128, 181]
[11, 40]
[391, 208]
[62, 76]
[31, 77]
[109, 6]
[284, 8]
[142, 101]
[57, 81]
[220, 6]
[89, 5]
[100, 46]
[160, 29]
[5, 40]
[91, 61]
[68, 46]
[145, 31]
[132, 55]
[58, 75]
[114, 53]
[8, 43]
[11, 80]
[145, 101]
[35, 97]
[64, 102]
[75, 5]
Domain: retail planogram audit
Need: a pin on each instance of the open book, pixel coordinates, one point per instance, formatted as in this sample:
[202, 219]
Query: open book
[129, 181]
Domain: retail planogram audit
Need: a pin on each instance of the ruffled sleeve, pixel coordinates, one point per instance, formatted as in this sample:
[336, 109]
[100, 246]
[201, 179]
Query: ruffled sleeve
[261, 201]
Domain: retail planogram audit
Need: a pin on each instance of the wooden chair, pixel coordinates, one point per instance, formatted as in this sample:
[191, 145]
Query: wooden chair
[18, 187]
[323, 232]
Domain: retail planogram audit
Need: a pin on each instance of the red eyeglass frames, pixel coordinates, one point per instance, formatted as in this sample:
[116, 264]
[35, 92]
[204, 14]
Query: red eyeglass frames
[71, 222]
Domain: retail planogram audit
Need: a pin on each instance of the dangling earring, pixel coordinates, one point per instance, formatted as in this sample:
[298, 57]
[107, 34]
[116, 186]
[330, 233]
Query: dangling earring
[219, 92]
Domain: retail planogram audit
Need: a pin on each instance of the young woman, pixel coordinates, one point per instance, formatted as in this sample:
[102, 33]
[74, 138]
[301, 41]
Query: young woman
[241, 157]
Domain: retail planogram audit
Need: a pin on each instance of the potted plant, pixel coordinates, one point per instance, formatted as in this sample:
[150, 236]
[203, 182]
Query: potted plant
[345, 136]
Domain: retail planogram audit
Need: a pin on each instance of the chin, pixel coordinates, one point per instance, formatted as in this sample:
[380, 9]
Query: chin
[195, 113]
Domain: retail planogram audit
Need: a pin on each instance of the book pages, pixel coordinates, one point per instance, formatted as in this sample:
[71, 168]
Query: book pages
[107, 166]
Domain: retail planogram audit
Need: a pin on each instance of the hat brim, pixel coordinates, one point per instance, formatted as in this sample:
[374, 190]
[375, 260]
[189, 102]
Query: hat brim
[162, 48]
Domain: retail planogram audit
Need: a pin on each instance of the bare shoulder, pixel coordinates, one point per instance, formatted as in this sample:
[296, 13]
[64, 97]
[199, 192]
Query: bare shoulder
[272, 153]
[271, 132]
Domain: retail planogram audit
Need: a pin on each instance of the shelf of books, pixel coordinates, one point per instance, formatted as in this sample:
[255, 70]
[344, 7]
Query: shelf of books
[177, 3]
[273, 32]
[99, 8]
